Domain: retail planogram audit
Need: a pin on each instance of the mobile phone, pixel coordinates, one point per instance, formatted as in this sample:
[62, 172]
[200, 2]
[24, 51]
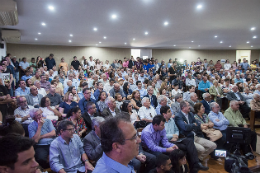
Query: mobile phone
[220, 153]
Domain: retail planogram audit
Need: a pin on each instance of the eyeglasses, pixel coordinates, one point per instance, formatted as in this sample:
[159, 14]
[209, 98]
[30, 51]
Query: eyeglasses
[133, 138]
[71, 130]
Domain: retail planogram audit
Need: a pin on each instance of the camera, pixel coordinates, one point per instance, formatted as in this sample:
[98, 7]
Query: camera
[236, 163]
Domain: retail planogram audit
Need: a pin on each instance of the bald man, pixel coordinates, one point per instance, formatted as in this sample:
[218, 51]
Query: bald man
[116, 89]
[34, 98]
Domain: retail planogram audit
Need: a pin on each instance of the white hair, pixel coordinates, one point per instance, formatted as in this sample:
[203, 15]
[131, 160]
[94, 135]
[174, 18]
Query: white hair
[258, 85]
[192, 94]
[212, 105]
[149, 87]
[36, 82]
[33, 111]
[255, 95]
[204, 95]
[232, 102]
[144, 100]
[233, 86]
[108, 99]
[215, 81]
[161, 98]
[96, 121]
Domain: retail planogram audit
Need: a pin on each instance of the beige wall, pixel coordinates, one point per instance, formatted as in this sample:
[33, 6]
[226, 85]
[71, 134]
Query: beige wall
[25, 50]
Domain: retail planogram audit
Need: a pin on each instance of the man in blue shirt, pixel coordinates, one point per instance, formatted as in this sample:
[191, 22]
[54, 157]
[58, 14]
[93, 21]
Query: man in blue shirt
[120, 143]
[204, 85]
[141, 90]
[50, 61]
[87, 98]
[22, 90]
[238, 79]
[98, 90]
[244, 65]
[66, 151]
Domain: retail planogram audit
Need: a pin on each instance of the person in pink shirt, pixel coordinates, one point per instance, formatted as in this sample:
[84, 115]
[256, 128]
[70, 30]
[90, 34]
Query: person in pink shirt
[125, 63]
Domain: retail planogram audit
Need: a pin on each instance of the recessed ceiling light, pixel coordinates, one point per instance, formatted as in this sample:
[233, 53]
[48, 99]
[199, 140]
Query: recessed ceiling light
[192, 41]
[99, 42]
[189, 47]
[199, 6]
[36, 38]
[95, 29]
[230, 46]
[221, 42]
[174, 45]
[216, 36]
[51, 7]
[39, 33]
[105, 37]
[133, 38]
[114, 16]
[125, 43]
[69, 40]
[252, 46]
[248, 42]
[253, 28]
[71, 35]
[166, 23]
[255, 37]
[146, 33]
[43, 24]
[199, 45]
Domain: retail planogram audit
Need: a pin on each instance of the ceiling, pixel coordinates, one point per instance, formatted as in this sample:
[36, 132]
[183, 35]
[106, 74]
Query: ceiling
[230, 20]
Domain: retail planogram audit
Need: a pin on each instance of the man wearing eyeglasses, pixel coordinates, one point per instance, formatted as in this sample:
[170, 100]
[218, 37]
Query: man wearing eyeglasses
[67, 153]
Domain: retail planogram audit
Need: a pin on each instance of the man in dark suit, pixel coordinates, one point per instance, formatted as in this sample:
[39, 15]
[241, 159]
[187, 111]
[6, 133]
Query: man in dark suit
[83, 102]
[190, 128]
[89, 115]
[206, 101]
[111, 109]
[152, 98]
[235, 95]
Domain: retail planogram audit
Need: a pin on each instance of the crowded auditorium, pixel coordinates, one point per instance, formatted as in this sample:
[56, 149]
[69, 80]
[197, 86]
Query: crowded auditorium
[141, 86]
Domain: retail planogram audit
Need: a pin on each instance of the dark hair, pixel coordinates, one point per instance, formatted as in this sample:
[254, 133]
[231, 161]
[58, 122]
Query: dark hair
[10, 146]
[99, 97]
[20, 81]
[125, 105]
[43, 100]
[70, 89]
[11, 126]
[125, 87]
[137, 82]
[63, 125]
[89, 104]
[227, 80]
[248, 79]
[158, 119]
[197, 107]
[85, 90]
[110, 132]
[191, 86]
[161, 159]
[164, 109]
[175, 156]
[72, 110]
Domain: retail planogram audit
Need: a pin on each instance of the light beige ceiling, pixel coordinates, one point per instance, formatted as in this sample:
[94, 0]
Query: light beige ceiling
[230, 20]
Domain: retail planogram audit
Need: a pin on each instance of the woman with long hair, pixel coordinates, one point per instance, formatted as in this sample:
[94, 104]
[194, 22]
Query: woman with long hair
[48, 111]
[73, 90]
[101, 101]
[127, 106]
[126, 89]
[39, 62]
[179, 162]
[74, 115]
[67, 104]
[136, 100]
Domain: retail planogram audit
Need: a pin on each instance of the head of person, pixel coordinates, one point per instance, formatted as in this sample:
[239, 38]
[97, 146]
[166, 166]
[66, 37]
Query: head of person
[256, 97]
[22, 84]
[68, 97]
[116, 87]
[52, 89]
[205, 78]
[51, 56]
[87, 93]
[194, 97]
[257, 87]
[43, 78]
[158, 123]
[45, 102]
[178, 158]
[91, 108]
[36, 114]
[33, 90]
[191, 89]
[234, 105]
[146, 102]
[185, 107]
[127, 106]
[136, 95]
[234, 88]
[166, 112]
[119, 139]
[163, 163]
[96, 123]
[100, 86]
[17, 154]
[118, 97]
[126, 86]
[206, 96]
[22, 102]
[139, 84]
[199, 108]
[178, 97]
[102, 96]
[110, 102]
[66, 129]
[11, 126]
[150, 90]
[24, 59]
[74, 112]
[162, 100]
[215, 107]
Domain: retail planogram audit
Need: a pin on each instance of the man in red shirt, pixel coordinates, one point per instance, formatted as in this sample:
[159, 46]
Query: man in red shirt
[218, 66]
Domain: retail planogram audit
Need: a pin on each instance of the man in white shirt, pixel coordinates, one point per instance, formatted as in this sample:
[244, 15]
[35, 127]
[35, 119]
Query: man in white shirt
[190, 81]
[40, 90]
[132, 84]
[23, 66]
[22, 113]
[104, 79]
[109, 86]
[146, 112]
[91, 63]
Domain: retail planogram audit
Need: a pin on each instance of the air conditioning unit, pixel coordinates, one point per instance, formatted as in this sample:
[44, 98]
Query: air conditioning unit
[11, 36]
[8, 12]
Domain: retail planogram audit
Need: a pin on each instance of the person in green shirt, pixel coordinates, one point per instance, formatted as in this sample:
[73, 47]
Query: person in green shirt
[236, 119]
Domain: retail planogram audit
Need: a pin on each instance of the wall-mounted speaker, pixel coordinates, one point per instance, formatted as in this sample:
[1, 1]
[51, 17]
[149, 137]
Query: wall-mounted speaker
[2, 46]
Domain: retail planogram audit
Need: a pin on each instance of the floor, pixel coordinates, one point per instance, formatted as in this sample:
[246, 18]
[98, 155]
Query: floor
[218, 166]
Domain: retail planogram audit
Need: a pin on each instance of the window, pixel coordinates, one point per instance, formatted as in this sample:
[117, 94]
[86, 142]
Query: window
[135, 53]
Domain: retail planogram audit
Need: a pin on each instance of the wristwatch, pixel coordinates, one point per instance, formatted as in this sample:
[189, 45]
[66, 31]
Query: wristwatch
[86, 160]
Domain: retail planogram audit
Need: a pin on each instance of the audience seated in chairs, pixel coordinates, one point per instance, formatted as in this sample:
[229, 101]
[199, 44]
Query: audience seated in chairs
[101, 101]
[48, 111]
[22, 113]
[111, 109]
[136, 100]
[67, 104]
[146, 112]
[134, 118]
[178, 160]
[43, 133]
[191, 128]
[236, 119]
[34, 98]
[66, 151]
[22, 90]
[74, 115]
[54, 97]
[151, 96]
[87, 98]
[163, 164]
[162, 101]
[40, 89]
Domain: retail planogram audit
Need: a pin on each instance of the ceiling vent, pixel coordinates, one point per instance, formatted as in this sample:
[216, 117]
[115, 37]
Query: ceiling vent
[11, 36]
[8, 12]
